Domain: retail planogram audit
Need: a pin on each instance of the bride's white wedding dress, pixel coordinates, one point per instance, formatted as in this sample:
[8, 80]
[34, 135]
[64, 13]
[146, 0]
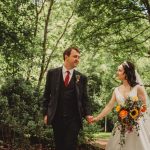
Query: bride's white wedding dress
[132, 140]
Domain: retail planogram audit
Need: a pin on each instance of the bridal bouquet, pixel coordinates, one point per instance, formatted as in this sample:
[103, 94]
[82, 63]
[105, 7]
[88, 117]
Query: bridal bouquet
[128, 116]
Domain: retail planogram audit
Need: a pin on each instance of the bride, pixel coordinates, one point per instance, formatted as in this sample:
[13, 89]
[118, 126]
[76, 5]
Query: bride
[130, 86]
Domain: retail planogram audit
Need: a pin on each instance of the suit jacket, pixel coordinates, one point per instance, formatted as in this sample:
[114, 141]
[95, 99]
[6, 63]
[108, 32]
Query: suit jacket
[52, 89]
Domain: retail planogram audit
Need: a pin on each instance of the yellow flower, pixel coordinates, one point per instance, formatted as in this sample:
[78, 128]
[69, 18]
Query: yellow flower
[134, 113]
[118, 108]
[135, 98]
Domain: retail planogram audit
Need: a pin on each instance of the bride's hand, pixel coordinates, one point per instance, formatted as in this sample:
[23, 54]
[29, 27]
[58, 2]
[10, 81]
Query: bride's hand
[95, 119]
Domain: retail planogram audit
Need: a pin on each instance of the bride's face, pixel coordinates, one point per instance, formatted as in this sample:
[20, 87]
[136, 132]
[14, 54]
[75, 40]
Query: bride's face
[120, 73]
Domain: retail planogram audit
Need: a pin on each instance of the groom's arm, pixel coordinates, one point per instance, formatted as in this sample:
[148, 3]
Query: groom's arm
[85, 101]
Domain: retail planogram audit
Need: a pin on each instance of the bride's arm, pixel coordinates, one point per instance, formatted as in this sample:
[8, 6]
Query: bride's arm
[141, 93]
[107, 108]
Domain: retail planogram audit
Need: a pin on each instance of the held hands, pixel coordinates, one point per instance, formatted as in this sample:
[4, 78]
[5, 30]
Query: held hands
[91, 119]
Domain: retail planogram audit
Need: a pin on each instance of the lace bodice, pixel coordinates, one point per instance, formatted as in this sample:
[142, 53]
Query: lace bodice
[119, 97]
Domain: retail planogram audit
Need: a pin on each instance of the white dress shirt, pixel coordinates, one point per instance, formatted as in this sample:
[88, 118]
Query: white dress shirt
[64, 72]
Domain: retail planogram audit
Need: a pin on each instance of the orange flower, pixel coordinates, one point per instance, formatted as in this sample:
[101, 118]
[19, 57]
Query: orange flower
[143, 108]
[123, 114]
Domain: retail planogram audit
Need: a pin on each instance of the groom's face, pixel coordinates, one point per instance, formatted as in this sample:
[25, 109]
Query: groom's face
[73, 58]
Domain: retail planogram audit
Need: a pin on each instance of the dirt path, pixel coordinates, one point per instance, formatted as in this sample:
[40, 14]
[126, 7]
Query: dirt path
[100, 143]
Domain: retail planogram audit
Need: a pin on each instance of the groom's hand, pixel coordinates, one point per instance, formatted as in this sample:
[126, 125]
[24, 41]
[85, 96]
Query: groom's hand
[89, 119]
[45, 119]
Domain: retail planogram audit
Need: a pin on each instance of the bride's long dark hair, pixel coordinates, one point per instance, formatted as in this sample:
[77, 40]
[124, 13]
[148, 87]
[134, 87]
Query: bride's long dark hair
[129, 70]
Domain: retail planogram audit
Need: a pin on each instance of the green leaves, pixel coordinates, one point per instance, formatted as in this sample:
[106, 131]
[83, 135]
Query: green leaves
[115, 27]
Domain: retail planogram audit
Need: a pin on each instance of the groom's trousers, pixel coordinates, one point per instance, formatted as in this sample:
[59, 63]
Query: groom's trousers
[66, 130]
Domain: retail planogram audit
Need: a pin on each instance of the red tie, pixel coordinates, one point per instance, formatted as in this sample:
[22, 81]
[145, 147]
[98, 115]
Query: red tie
[67, 78]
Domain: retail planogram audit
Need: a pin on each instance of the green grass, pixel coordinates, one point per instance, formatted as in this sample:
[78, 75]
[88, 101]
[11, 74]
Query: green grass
[102, 135]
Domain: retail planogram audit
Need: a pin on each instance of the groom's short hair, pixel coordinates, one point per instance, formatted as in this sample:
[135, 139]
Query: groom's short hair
[68, 51]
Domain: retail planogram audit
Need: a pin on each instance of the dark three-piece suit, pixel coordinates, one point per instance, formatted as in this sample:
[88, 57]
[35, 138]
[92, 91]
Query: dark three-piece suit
[65, 107]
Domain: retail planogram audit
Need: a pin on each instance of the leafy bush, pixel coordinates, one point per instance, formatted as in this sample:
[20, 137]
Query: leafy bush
[21, 116]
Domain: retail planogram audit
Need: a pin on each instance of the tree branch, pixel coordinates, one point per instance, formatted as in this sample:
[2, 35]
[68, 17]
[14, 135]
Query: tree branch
[57, 42]
[44, 42]
[147, 5]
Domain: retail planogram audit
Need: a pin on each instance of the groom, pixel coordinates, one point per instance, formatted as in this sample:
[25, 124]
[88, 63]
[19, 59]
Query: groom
[65, 101]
